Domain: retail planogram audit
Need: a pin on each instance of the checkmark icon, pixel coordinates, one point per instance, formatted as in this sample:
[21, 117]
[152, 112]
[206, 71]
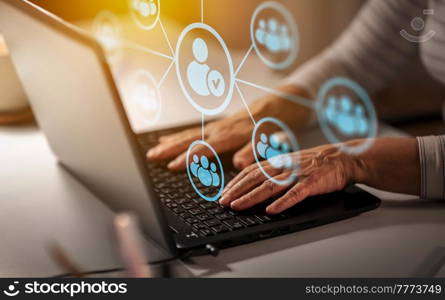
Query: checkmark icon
[216, 83]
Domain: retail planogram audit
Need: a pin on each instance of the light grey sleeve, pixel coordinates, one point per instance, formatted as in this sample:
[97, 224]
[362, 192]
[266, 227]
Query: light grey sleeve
[371, 51]
[432, 167]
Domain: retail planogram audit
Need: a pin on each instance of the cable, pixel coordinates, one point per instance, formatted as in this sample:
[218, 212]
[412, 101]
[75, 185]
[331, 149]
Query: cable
[105, 271]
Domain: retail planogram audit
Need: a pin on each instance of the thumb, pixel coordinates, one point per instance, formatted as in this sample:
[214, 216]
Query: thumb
[244, 157]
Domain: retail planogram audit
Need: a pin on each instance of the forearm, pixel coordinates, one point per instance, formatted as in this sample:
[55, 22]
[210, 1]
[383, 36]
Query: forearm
[391, 164]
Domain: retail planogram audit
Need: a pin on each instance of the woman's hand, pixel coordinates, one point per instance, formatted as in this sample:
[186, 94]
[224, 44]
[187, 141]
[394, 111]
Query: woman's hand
[232, 133]
[322, 170]
[391, 164]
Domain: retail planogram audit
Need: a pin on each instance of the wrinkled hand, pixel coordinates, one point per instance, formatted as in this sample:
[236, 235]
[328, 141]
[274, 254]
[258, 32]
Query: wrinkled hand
[322, 170]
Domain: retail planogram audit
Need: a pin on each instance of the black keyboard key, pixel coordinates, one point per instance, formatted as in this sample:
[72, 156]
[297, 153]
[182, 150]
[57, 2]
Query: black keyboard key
[248, 220]
[212, 222]
[199, 226]
[264, 218]
[184, 215]
[171, 205]
[207, 205]
[206, 232]
[216, 210]
[220, 228]
[188, 206]
[192, 220]
[196, 211]
[224, 216]
[178, 210]
[204, 217]
[181, 201]
[234, 224]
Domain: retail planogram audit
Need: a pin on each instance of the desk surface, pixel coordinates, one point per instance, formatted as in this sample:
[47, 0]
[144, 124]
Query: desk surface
[42, 204]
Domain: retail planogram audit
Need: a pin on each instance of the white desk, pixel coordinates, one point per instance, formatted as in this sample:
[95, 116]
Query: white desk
[41, 203]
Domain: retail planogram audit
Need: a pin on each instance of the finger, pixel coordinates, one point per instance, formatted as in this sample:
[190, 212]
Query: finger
[244, 157]
[246, 184]
[179, 135]
[298, 193]
[261, 193]
[239, 176]
[171, 149]
[180, 163]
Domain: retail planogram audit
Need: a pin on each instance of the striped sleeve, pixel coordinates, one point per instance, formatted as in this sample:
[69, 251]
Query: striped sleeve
[432, 167]
[371, 51]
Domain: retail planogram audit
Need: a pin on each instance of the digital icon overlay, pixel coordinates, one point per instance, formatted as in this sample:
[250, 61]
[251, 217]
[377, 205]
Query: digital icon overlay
[345, 111]
[275, 148]
[142, 98]
[207, 88]
[12, 290]
[274, 35]
[107, 30]
[201, 78]
[145, 13]
[418, 26]
[206, 174]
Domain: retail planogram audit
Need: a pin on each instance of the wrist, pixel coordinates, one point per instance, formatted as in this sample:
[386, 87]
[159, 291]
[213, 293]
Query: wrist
[361, 169]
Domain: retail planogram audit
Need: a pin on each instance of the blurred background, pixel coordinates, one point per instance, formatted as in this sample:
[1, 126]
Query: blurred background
[320, 23]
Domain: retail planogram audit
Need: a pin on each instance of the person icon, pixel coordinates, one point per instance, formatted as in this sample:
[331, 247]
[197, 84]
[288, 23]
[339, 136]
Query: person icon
[197, 70]
[362, 124]
[273, 39]
[216, 180]
[261, 32]
[345, 119]
[194, 166]
[202, 79]
[286, 42]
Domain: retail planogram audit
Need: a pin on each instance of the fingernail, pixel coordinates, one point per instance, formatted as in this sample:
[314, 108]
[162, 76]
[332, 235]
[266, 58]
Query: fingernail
[152, 153]
[224, 200]
[235, 205]
[172, 164]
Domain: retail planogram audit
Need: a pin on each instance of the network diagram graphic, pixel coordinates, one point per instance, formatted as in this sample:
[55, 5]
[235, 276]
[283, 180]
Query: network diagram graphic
[343, 107]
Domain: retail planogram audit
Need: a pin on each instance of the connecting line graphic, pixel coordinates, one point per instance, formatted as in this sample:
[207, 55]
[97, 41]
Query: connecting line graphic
[244, 60]
[202, 127]
[137, 47]
[166, 37]
[161, 81]
[297, 99]
[202, 11]
[245, 103]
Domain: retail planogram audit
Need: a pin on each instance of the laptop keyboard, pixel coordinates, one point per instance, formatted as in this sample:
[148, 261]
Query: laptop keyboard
[206, 218]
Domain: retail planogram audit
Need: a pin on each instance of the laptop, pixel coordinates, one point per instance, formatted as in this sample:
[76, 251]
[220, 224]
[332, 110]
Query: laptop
[72, 92]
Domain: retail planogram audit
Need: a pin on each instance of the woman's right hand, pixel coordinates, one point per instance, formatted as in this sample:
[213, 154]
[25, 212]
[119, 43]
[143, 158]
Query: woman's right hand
[232, 133]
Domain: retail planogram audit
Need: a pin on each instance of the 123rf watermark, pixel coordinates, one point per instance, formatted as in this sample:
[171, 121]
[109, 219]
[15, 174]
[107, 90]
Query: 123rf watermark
[70, 289]
[395, 289]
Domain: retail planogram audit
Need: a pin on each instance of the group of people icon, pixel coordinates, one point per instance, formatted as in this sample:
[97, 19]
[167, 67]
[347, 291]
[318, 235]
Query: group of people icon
[145, 8]
[205, 171]
[202, 79]
[275, 151]
[273, 35]
[348, 118]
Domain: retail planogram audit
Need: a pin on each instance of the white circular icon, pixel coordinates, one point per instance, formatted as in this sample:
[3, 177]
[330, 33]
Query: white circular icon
[142, 98]
[145, 13]
[107, 30]
[275, 37]
[201, 79]
[345, 111]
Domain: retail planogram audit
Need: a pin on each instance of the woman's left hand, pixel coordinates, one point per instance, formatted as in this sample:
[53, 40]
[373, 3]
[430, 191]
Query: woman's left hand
[322, 170]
